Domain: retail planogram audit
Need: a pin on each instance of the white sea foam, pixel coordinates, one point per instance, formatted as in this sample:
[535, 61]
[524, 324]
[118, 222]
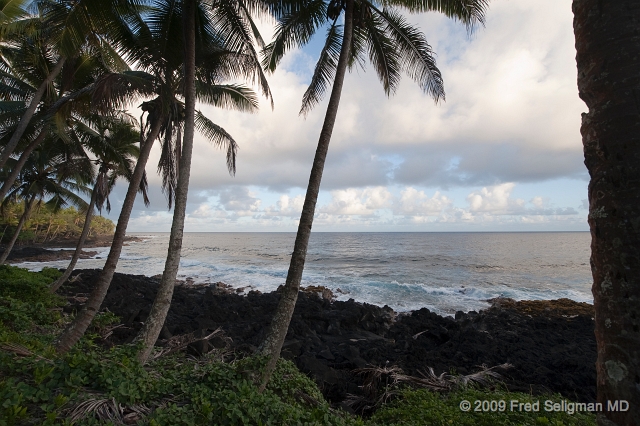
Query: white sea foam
[442, 272]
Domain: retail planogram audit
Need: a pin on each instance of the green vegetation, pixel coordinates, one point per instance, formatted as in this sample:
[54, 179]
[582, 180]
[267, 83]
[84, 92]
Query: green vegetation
[91, 385]
[422, 407]
[46, 225]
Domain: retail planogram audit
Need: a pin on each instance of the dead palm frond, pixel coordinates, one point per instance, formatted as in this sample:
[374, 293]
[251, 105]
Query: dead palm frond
[177, 343]
[107, 409]
[22, 351]
[382, 383]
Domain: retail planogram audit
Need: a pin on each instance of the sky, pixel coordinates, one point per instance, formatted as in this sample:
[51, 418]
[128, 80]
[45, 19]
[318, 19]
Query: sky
[502, 153]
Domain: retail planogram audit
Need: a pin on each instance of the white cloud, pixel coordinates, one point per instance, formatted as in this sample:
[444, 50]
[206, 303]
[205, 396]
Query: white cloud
[286, 206]
[512, 116]
[203, 211]
[416, 203]
[363, 202]
[239, 200]
[495, 200]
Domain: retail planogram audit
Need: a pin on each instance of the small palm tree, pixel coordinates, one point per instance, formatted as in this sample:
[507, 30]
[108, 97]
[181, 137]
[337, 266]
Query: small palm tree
[54, 174]
[206, 55]
[63, 27]
[28, 66]
[112, 143]
[370, 28]
[155, 45]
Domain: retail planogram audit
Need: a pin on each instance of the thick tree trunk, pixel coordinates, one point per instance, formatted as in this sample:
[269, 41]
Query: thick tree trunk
[289, 294]
[83, 236]
[27, 210]
[76, 329]
[608, 59]
[161, 304]
[6, 185]
[28, 114]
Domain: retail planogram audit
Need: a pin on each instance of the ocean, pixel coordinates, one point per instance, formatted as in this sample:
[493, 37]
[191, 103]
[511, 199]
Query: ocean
[445, 272]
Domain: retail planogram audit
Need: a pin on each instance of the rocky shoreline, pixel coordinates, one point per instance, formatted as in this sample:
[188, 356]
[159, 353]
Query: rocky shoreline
[41, 252]
[550, 344]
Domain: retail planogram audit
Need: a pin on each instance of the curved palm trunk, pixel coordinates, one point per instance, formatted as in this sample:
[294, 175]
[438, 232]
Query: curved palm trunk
[289, 295]
[608, 60]
[6, 185]
[27, 211]
[83, 236]
[28, 114]
[154, 322]
[76, 329]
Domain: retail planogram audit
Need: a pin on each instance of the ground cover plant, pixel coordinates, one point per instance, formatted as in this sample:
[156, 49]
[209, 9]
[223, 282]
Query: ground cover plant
[95, 385]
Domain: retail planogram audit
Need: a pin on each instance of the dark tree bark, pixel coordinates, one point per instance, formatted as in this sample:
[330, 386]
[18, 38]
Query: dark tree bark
[83, 237]
[28, 114]
[76, 329]
[277, 333]
[608, 58]
[162, 302]
[25, 216]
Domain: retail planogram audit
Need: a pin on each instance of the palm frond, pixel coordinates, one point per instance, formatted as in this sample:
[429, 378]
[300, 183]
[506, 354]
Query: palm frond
[415, 54]
[247, 14]
[118, 90]
[218, 136]
[358, 47]
[382, 383]
[294, 30]
[470, 12]
[171, 148]
[235, 26]
[11, 10]
[325, 69]
[110, 57]
[383, 54]
[11, 106]
[229, 96]
[143, 189]
[227, 19]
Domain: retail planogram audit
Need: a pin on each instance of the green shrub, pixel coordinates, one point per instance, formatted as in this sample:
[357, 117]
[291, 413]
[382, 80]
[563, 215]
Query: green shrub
[25, 301]
[25, 285]
[38, 387]
[425, 408]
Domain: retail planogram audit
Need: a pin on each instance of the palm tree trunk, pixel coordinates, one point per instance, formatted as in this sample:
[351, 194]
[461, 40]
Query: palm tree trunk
[608, 60]
[27, 210]
[6, 185]
[289, 294]
[28, 114]
[76, 329]
[154, 322]
[83, 236]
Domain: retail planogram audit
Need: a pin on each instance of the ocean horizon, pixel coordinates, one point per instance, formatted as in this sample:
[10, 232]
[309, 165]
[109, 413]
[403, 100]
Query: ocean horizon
[442, 271]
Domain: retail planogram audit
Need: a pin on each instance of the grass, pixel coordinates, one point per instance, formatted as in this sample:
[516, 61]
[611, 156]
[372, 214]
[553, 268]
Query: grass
[95, 386]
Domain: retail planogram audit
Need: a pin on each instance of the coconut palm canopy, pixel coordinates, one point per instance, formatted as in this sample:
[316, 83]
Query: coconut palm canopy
[381, 34]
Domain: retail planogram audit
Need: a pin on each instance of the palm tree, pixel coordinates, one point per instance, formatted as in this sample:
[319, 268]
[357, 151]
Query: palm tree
[392, 45]
[608, 60]
[64, 27]
[237, 44]
[154, 44]
[112, 143]
[155, 123]
[29, 65]
[53, 173]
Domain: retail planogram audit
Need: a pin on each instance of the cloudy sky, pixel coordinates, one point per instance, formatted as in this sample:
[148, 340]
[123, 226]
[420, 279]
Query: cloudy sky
[503, 153]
